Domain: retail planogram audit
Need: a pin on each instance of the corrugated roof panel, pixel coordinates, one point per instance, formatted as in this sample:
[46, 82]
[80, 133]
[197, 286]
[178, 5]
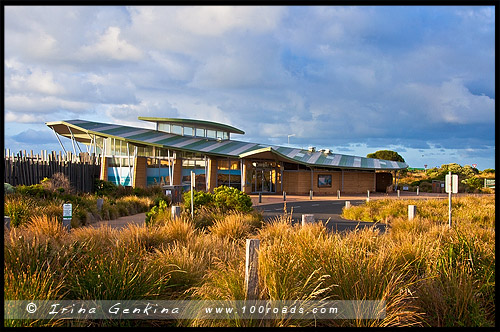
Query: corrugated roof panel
[214, 145]
[226, 148]
[243, 148]
[230, 147]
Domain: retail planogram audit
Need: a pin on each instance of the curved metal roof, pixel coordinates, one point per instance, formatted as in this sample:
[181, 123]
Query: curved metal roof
[82, 131]
[195, 123]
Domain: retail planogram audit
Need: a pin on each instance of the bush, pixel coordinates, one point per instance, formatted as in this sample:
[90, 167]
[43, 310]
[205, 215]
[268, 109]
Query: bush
[36, 190]
[104, 188]
[224, 199]
[159, 211]
[228, 198]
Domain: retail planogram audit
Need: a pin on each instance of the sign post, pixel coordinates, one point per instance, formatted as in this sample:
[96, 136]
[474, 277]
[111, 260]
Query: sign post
[451, 186]
[192, 189]
[67, 215]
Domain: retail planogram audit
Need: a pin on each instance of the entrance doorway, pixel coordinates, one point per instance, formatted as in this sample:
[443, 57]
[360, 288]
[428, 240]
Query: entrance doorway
[264, 177]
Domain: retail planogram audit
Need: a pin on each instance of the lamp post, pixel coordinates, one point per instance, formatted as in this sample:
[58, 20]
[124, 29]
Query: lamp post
[289, 138]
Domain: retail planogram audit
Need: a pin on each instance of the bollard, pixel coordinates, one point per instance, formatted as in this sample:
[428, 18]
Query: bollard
[412, 211]
[100, 203]
[176, 211]
[418, 188]
[338, 194]
[67, 223]
[347, 204]
[284, 196]
[310, 194]
[6, 222]
[252, 269]
[368, 194]
[398, 193]
[260, 197]
[307, 219]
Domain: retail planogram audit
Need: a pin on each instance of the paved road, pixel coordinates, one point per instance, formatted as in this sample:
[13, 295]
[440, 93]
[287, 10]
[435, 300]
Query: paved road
[326, 211]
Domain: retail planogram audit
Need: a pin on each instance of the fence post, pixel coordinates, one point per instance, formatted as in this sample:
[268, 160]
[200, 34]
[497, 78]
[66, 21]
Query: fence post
[347, 204]
[418, 188]
[412, 209]
[284, 196]
[338, 194]
[307, 219]
[310, 194]
[260, 197]
[252, 269]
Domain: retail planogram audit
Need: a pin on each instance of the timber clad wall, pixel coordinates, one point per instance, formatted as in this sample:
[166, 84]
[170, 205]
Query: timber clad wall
[336, 183]
[358, 182]
[212, 174]
[177, 179]
[104, 169]
[140, 176]
[299, 182]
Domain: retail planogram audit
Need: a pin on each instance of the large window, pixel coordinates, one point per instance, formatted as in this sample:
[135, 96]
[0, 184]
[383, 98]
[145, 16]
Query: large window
[193, 163]
[229, 173]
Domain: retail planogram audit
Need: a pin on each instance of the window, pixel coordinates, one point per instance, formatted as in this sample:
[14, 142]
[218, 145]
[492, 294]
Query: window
[200, 132]
[210, 133]
[164, 127]
[188, 131]
[176, 130]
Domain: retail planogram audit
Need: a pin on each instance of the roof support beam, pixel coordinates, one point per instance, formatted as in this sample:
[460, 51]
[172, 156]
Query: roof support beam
[57, 136]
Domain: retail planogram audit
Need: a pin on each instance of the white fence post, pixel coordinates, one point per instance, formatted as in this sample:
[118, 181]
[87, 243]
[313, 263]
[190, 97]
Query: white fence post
[307, 219]
[412, 211]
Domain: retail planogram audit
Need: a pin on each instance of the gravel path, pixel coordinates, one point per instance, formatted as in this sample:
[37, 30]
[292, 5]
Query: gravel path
[122, 222]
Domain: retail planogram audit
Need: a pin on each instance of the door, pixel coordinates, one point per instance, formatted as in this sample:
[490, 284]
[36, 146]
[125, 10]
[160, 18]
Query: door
[262, 180]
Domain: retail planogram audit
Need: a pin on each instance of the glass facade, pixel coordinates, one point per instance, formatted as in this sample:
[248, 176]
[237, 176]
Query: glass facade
[196, 164]
[229, 173]
[157, 171]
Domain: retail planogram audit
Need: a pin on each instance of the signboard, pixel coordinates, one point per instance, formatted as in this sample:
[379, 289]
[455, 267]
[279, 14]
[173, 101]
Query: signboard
[489, 183]
[474, 165]
[451, 183]
[67, 211]
[405, 187]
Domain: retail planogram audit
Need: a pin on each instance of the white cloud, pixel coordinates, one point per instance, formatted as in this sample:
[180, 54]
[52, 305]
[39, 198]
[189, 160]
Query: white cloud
[36, 81]
[451, 102]
[111, 45]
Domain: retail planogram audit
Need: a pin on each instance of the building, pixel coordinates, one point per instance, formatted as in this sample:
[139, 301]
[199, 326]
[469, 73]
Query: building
[167, 155]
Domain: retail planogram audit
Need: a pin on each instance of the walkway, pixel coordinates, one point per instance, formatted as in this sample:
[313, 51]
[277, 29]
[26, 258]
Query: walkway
[122, 222]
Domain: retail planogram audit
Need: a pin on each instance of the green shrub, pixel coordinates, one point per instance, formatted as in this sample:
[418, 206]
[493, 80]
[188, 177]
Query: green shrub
[35, 190]
[224, 198]
[19, 209]
[158, 210]
[104, 188]
[228, 198]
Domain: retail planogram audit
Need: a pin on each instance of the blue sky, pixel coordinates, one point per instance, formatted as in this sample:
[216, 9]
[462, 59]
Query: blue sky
[416, 80]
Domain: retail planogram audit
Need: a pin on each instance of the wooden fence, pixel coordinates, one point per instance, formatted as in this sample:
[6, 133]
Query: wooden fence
[29, 169]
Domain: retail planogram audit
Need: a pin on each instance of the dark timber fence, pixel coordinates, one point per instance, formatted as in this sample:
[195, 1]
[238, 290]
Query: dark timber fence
[24, 169]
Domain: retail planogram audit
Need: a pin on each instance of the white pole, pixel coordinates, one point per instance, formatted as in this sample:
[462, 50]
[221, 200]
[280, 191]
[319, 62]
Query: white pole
[449, 200]
[192, 189]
